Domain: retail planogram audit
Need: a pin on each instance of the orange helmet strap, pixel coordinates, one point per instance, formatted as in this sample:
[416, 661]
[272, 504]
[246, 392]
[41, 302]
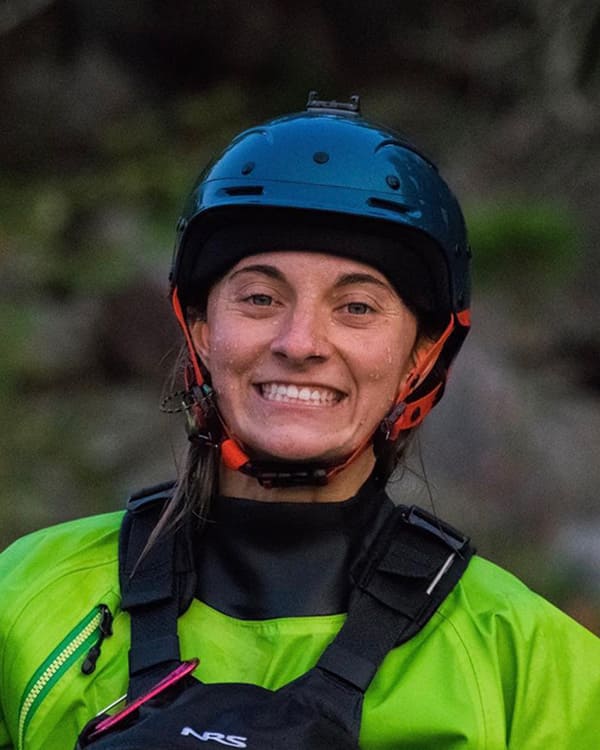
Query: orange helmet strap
[404, 414]
[198, 398]
[179, 314]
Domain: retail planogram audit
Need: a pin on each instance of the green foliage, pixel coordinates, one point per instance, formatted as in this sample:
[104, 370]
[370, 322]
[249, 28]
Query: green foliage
[518, 241]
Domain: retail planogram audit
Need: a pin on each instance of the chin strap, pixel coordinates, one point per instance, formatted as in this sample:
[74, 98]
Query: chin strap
[198, 404]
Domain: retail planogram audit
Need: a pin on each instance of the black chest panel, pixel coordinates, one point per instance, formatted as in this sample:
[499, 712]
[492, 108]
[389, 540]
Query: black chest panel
[258, 561]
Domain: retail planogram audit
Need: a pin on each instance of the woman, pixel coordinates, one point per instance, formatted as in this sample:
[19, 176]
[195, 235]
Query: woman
[321, 281]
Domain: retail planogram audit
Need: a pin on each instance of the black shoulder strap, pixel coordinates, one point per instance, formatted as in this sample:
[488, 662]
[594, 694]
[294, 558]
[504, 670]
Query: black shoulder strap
[156, 586]
[413, 564]
[400, 581]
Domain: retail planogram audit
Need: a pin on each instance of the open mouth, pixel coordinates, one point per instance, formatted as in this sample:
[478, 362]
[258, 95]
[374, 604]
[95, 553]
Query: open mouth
[300, 394]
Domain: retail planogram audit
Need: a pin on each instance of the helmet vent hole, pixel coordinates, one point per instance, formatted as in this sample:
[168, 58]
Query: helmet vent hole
[393, 181]
[400, 208]
[321, 157]
[248, 167]
[245, 190]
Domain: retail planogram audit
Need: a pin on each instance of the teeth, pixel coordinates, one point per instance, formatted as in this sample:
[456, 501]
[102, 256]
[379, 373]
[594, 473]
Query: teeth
[287, 393]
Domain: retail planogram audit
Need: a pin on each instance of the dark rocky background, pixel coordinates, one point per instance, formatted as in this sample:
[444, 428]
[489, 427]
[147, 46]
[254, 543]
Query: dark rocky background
[109, 110]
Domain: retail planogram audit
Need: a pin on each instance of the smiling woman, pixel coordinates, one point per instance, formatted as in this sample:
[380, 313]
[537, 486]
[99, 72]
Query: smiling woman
[321, 281]
[397, 272]
[311, 346]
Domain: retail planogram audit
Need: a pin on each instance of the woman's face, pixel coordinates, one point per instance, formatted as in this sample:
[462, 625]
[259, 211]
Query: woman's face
[306, 352]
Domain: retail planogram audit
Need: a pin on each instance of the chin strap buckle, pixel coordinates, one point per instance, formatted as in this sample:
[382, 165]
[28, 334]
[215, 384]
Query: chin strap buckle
[387, 425]
[271, 474]
[286, 475]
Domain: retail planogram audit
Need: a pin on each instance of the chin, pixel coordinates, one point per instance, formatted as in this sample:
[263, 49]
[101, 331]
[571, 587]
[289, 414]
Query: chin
[309, 454]
[324, 443]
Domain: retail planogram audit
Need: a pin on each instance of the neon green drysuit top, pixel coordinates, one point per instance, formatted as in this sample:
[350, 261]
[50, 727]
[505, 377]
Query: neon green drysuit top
[496, 667]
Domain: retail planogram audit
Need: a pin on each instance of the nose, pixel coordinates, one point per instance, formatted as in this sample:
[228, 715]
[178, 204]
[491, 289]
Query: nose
[302, 336]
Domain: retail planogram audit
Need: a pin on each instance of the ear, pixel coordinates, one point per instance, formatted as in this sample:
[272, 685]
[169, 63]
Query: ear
[200, 333]
[421, 349]
[423, 357]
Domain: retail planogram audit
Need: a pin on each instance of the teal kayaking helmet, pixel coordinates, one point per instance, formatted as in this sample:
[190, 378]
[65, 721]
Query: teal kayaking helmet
[328, 180]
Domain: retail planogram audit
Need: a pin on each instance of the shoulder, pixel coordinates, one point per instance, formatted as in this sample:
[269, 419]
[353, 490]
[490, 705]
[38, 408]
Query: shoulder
[56, 559]
[517, 638]
[529, 665]
[77, 560]
[90, 538]
[52, 584]
[487, 590]
[491, 597]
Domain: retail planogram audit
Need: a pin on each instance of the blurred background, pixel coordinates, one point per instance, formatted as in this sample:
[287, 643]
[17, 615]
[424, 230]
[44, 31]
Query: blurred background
[109, 110]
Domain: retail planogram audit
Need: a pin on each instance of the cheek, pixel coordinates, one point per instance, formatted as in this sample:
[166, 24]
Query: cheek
[382, 387]
[387, 364]
[233, 354]
[226, 360]
[223, 350]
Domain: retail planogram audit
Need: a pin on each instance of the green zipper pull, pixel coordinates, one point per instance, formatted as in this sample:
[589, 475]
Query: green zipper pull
[105, 627]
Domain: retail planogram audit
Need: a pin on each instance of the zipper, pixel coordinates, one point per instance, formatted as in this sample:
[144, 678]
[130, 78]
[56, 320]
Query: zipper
[96, 624]
[105, 627]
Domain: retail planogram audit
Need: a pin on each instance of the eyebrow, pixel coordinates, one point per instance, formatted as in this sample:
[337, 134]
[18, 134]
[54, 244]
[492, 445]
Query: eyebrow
[347, 279]
[270, 271]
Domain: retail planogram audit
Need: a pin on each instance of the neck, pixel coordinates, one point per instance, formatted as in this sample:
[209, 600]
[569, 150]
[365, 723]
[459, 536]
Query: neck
[340, 487]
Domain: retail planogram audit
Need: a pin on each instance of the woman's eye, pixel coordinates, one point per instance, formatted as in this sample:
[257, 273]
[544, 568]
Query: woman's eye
[358, 308]
[261, 300]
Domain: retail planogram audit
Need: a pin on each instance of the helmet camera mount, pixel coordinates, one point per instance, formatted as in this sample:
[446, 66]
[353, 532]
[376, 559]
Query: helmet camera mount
[333, 107]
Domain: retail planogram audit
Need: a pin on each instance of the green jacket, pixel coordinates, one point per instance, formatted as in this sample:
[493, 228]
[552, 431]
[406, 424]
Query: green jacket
[497, 666]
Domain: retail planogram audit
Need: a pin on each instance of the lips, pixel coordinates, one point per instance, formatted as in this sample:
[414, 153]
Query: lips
[309, 395]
